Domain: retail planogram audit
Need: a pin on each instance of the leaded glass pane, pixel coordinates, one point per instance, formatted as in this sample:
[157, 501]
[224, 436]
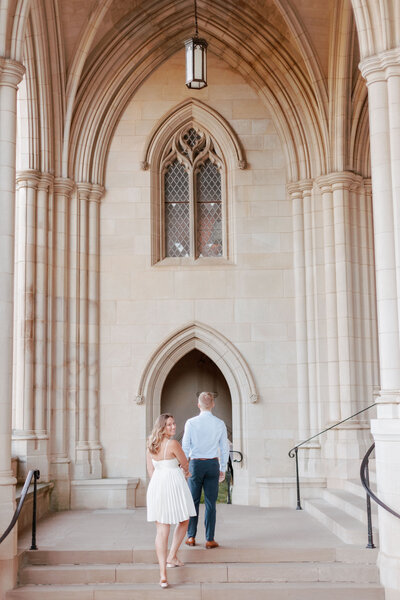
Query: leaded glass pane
[209, 211]
[177, 217]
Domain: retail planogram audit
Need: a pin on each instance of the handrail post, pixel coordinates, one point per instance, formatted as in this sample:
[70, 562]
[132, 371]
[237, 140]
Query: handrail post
[36, 476]
[298, 507]
[369, 515]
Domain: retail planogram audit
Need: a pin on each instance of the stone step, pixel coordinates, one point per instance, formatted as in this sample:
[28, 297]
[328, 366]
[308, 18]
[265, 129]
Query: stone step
[354, 487]
[353, 505]
[197, 554]
[201, 573]
[347, 528]
[202, 591]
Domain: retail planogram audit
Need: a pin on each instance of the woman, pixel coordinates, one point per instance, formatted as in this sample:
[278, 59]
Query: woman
[168, 496]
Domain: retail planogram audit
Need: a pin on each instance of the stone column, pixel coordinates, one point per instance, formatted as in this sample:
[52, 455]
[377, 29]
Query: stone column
[382, 73]
[93, 324]
[348, 322]
[30, 437]
[85, 313]
[297, 193]
[60, 407]
[11, 73]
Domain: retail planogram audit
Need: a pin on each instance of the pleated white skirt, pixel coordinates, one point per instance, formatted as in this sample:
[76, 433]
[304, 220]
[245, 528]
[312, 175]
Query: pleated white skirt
[168, 496]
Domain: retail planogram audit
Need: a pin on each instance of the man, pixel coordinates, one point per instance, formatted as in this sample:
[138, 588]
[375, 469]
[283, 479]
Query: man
[205, 444]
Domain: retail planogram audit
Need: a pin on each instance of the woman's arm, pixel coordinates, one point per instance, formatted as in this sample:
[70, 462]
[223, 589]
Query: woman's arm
[176, 450]
[149, 464]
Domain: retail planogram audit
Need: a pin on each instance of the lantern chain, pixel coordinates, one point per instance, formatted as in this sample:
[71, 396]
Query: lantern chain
[195, 18]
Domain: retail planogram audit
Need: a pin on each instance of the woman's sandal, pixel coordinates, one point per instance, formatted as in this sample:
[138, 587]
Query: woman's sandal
[172, 565]
[163, 583]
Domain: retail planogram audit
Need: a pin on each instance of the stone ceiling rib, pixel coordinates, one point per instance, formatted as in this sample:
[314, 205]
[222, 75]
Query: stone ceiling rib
[262, 60]
[75, 73]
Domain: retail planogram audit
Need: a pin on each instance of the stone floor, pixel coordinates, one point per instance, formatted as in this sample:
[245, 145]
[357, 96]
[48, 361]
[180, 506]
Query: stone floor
[237, 526]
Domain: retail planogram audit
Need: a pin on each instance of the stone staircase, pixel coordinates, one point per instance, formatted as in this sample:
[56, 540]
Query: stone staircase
[275, 573]
[343, 509]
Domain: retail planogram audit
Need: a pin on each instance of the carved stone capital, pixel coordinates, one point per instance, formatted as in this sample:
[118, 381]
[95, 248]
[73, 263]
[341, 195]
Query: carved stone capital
[381, 66]
[92, 192]
[11, 72]
[299, 189]
[63, 186]
[29, 178]
[339, 180]
[46, 181]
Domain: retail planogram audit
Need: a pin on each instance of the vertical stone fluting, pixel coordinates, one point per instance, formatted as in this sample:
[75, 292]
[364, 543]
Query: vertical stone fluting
[25, 265]
[41, 314]
[311, 312]
[11, 73]
[60, 408]
[93, 323]
[82, 461]
[30, 439]
[296, 192]
[87, 446]
[332, 412]
[382, 73]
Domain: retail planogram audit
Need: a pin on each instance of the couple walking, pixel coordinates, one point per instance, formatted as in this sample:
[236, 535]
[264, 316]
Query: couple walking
[170, 499]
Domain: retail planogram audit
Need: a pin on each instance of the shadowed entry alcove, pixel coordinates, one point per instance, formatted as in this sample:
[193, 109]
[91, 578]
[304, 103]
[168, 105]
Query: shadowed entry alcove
[194, 373]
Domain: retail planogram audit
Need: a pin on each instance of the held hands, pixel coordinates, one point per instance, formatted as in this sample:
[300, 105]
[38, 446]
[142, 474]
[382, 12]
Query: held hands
[221, 477]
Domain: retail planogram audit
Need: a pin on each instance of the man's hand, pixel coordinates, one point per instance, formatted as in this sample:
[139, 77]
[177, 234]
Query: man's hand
[221, 476]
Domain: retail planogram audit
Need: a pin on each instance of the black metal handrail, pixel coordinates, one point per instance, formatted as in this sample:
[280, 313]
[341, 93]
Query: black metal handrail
[364, 476]
[229, 472]
[33, 474]
[293, 451]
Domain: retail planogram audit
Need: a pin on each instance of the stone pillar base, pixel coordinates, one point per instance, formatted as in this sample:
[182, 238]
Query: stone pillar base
[60, 473]
[32, 453]
[8, 575]
[389, 568]
[8, 549]
[88, 462]
[104, 493]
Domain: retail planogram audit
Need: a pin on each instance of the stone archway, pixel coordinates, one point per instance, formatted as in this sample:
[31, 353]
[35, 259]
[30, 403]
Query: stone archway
[229, 361]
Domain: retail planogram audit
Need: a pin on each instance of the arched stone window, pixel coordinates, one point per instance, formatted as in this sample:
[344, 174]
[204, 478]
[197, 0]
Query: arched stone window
[192, 154]
[193, 217]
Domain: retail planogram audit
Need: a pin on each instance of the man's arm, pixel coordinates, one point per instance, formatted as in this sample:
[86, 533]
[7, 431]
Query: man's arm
[223, 449]
[186, 439]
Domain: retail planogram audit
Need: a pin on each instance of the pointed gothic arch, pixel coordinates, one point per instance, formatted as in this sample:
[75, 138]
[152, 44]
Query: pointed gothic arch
[188, 114]
[221, 351]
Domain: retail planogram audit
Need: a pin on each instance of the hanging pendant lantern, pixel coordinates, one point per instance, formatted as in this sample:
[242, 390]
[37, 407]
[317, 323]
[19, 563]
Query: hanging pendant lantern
[196, 59]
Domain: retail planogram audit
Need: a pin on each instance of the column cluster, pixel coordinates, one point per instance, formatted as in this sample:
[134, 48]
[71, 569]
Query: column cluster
[11, 73]
[382, 73]
[335, 311]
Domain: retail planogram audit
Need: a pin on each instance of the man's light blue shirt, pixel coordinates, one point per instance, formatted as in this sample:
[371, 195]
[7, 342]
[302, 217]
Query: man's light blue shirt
[205, 437]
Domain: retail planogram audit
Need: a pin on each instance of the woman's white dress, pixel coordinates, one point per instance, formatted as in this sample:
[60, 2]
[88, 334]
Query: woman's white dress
[168, 496]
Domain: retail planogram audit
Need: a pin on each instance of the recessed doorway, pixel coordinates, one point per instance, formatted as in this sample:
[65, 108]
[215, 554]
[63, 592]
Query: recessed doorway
[194, 373]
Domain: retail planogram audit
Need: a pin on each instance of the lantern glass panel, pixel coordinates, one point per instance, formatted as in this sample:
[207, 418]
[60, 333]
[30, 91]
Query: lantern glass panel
[189, 61]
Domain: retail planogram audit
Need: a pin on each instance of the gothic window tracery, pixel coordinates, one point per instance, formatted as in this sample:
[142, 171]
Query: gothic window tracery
[192, 186]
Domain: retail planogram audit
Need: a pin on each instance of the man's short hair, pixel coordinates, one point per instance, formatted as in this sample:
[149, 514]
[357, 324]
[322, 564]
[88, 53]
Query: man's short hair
[206, 400]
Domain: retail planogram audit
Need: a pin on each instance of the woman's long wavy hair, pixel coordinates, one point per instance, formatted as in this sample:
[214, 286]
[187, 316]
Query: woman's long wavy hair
[157, 435]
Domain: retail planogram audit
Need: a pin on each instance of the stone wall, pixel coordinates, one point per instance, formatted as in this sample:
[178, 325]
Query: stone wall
[247, 298]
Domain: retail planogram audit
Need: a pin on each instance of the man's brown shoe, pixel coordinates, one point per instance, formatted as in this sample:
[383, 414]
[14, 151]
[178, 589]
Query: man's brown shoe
[212, 544]
[190, 541]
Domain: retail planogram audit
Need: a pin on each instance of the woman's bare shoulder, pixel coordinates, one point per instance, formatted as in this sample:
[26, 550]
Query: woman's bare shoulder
[174, 445]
